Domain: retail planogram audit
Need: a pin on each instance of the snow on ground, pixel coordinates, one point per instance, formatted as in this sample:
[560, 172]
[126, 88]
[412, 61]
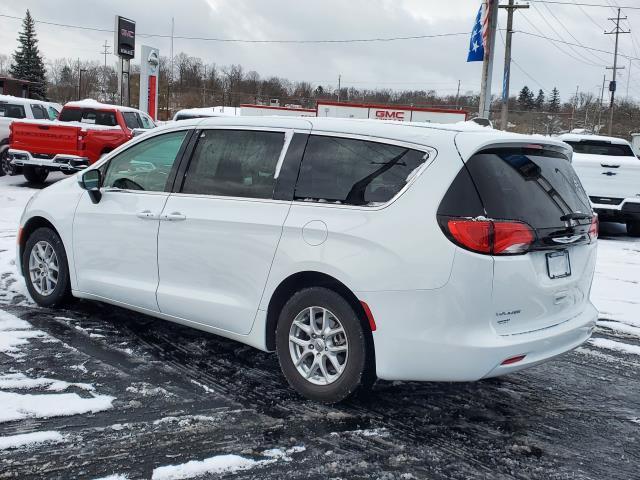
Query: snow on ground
[25, 439]
[15, 335]
[221, 464]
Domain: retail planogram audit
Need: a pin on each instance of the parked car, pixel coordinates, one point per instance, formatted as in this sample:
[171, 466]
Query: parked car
[356, 249]
[84, 132]
[610, 172]
[18, 108]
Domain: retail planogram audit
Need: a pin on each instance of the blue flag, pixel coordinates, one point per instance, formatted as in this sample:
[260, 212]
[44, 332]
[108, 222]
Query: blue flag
[478, 36]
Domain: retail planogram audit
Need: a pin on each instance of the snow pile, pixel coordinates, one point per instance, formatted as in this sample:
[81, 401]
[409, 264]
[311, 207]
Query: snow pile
[221, 464]
[15, 333]
[615, 345]
[19, 381]
[16, 406]
[12, 202]
[16, 441]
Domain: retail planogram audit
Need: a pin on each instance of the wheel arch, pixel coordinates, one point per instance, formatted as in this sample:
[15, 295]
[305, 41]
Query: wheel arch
[31, 226]
[306, 279]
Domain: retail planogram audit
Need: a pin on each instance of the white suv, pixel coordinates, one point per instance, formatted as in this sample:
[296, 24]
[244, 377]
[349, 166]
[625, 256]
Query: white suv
[610, 172]
[353, 248]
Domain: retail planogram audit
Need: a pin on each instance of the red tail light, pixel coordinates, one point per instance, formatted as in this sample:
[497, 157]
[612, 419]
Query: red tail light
[594, 228]
[492, 237]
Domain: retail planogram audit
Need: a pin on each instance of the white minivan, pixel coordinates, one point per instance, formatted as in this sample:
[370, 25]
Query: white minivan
[356, 249]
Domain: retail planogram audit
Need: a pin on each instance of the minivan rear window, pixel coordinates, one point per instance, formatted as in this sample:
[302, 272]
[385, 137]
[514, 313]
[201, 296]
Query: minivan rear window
[596, 147]
[531, 185]
[354, 172]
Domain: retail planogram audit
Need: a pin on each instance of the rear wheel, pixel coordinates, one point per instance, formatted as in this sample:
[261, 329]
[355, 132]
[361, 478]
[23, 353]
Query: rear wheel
[322, 347]
[45, 268]
[633, 228]
[35, 174]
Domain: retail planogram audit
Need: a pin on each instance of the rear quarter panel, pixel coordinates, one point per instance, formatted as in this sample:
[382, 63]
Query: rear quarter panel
[398, 246]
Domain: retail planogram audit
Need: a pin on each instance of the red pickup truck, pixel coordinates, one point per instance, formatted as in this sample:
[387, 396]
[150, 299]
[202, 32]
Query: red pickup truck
[84, 131]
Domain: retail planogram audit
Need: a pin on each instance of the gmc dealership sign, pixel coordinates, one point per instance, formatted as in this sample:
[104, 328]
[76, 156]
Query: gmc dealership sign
[125, 38]
[397, 113]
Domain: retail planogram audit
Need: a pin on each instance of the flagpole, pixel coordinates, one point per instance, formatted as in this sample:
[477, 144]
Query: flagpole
[487, 63]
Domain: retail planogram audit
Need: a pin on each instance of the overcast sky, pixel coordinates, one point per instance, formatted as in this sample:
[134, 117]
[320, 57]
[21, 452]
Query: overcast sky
[436, 63]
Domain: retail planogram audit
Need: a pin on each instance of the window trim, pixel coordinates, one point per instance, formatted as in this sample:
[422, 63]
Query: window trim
[432, 151]
[186, 163]
[189, 133]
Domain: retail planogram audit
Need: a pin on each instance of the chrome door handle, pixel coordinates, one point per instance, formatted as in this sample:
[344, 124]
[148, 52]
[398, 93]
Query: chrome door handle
[174, 217]
[147, 215]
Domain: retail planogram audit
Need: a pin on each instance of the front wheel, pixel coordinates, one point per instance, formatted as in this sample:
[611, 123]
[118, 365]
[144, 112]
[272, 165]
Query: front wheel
[633, 228]
[5, 165]
[45, 268]
[35, 175]
[321, 346]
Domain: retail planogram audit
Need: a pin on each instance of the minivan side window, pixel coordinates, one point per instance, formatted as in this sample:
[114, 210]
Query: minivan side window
[11, 111]
[354, 172]
[234, 163]
[146, 165]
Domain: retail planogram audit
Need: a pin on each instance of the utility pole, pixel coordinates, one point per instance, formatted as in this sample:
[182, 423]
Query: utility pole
[575, 107]
[170, 76]
[487, 64]
[511, 8]
[612, 86]
[105, 52]
[339, 86]
[604, 82]
[628, 77]
[458, 94]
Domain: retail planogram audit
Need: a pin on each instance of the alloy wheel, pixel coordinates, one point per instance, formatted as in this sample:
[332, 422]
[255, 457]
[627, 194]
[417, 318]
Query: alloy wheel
[43, 268]
[318, 345]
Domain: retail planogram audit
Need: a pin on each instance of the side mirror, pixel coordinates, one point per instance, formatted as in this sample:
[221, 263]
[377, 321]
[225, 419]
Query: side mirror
[138, 131]
[91, 181]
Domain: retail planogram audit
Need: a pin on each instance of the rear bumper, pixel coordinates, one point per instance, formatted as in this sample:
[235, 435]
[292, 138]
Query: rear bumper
[63, 162]
[628, 209]
[420, 338]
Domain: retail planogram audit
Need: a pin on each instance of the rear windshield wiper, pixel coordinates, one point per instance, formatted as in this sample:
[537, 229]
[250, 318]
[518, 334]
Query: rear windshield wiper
[575, 216]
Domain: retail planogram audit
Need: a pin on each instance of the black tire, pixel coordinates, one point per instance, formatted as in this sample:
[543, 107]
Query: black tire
[358, 373]
[5, 167]
[61, 294]
[633, 228]
[35, 175]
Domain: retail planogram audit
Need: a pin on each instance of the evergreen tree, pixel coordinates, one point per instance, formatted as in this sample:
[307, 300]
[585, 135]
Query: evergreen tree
[539, 101]
[27, 61]
[526, 98]
[554, 100]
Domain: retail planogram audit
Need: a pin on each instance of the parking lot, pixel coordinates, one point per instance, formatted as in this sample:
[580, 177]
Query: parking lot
[113, 392]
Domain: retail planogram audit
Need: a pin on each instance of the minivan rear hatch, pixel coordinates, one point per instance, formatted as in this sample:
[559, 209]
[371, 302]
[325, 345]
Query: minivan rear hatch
[535, 185]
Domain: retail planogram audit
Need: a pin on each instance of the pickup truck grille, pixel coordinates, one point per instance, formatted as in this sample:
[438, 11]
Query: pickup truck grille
[606, 200]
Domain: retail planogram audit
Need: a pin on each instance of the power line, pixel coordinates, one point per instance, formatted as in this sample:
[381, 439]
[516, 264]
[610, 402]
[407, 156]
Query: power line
[582, 4]
[581, 58]
[243, 40]
[576, 45]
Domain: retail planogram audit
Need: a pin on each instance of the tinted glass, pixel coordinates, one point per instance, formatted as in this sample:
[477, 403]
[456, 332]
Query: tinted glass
[591, 147]
[146, 165]
[131, 120]
[39, 112]
[354, 172]
[89, 116]
[11, 111]
[53, 113]
[534, 186]
[147, 123]
[238, 163]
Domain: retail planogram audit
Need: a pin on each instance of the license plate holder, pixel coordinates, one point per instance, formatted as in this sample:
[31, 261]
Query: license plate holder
[558, 264]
